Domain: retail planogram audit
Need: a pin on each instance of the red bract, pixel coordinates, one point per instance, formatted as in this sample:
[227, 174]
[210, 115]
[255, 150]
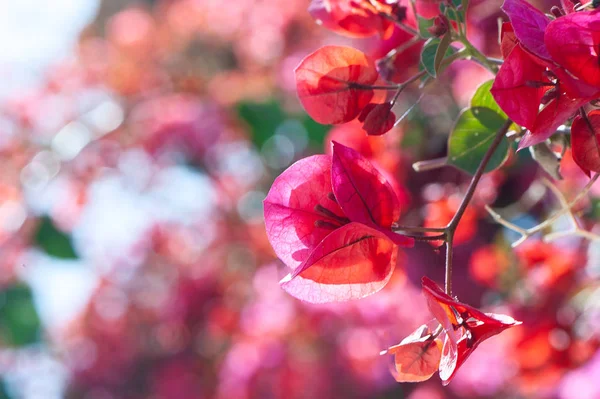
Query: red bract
[333, 83]
[554, 64]
[512, 90]
[585, 141]
[465, 326]
[508, 39]
[574, 42]
[352, 18]
[377, 118]
[329, 219]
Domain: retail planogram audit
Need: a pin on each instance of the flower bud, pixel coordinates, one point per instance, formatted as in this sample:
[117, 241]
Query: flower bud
[440, 26]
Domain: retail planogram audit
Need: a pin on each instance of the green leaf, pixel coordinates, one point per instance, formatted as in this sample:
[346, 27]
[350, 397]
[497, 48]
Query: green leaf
[53, 241]
[19, 321]
[262, 119]
[441, 51]
[471, 137]
[484, 99]
[430, 53]
[425, 24]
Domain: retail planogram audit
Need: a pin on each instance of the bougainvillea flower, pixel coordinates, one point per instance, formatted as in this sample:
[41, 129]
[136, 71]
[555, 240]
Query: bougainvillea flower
[585, 141]
[329, 218]
[554, 64]
[354, 18]
[417, 357]
[465, 327]
[333, 83]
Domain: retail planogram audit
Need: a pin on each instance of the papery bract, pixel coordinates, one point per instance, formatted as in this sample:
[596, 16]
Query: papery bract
[333, 83]
[513, 91]
[529, 24]
[417, 357]
[554, 114]
[361, 190]
[585, 141]
[508, 39]
[351, 18]
[377, 118]
[573, 41]
[466, 327]
[352, 262]
[289, 208]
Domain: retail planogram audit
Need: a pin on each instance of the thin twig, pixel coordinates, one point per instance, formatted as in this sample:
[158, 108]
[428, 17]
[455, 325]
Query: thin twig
[566, 208]
[430, 164]
[439, 237]
[418, 229]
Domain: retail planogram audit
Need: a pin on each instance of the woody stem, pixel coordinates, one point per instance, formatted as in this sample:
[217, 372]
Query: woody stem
[450, 228]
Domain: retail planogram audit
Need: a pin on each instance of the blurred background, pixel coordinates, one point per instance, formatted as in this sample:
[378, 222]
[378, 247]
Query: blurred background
[137, 142]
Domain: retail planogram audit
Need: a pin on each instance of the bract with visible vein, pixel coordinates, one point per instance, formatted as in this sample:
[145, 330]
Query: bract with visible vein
[291, 220]
[352, 262]
[529, 25]
[333, 83]
[573, 41]
[417, 357]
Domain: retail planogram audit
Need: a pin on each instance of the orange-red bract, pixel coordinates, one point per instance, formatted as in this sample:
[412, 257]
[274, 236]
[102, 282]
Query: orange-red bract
[352, 18]
[352, 262]
[417, 357]
[333, 83]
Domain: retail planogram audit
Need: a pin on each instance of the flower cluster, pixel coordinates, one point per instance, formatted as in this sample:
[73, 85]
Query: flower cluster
[553, 64]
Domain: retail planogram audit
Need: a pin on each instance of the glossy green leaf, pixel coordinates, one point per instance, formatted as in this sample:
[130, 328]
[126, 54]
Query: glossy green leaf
[442, 51]
[53, 241]
[429, 54]
[19, 321]
[471, 137]
[484, 99]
